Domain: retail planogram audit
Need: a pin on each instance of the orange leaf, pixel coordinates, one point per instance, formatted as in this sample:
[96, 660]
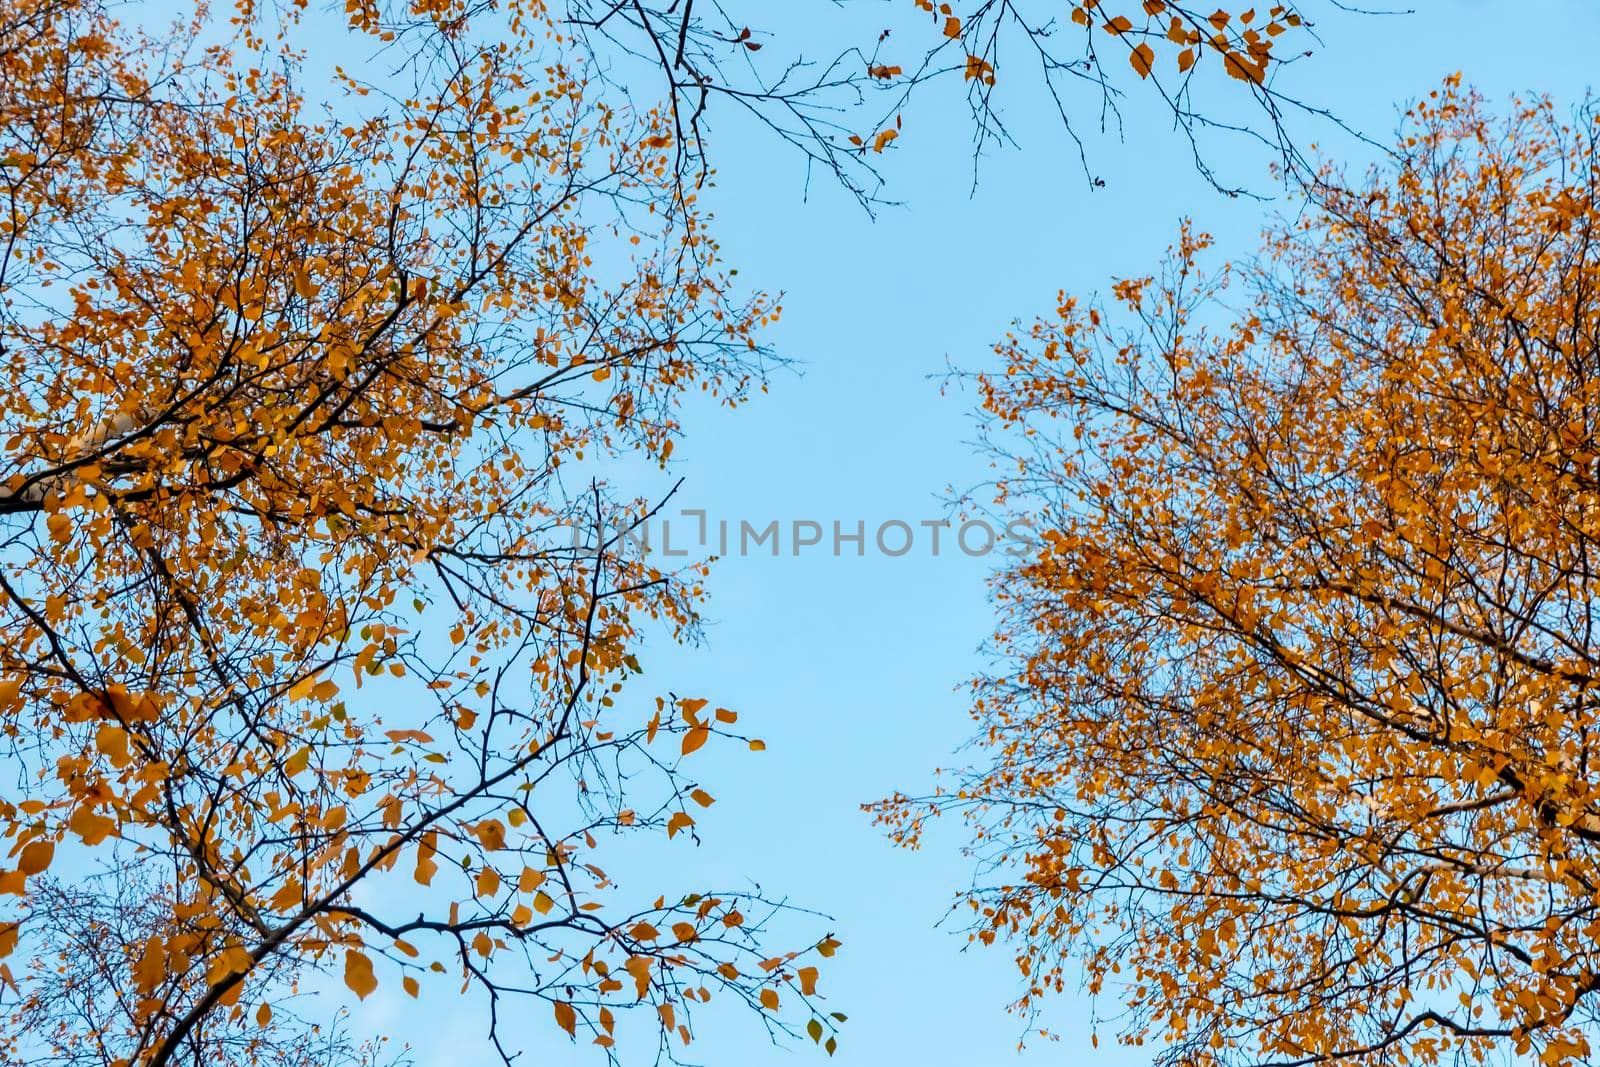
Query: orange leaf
[151, 967]
[492, 832]
[92, 827]
[1240, 66]
[111, 741]
[36, 856]
[695, 738]
[639, 968]
[1142, 58]
[358, 973]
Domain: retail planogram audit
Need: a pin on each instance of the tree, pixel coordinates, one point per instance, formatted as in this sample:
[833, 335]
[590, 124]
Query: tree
[1209, 70]
[310, 659]
[1292, 738]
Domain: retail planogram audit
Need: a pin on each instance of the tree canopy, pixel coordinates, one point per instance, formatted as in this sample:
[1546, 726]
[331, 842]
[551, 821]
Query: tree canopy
[1291, 737]
[301, 664]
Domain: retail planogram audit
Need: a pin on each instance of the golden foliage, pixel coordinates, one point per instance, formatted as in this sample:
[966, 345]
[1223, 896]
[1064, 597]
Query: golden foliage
[292, 597]
[1294, 738]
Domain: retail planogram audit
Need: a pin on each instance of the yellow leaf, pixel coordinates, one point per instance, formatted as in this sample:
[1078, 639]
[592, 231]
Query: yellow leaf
[769, 999]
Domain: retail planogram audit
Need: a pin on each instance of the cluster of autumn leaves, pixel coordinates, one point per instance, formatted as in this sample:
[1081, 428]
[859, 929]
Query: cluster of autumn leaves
[1241, 41]
[303, 672]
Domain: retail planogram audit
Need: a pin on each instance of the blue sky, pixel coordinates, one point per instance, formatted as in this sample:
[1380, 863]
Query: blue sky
[851, 667]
